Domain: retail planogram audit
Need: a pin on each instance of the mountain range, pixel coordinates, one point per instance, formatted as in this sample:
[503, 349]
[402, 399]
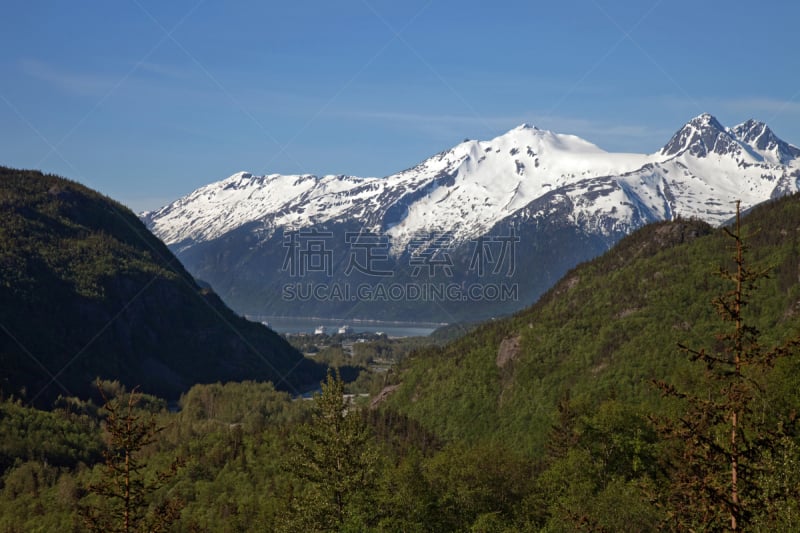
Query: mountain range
[430, 241]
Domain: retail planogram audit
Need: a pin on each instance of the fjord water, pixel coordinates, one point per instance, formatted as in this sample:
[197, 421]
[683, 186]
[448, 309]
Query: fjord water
[310, 324]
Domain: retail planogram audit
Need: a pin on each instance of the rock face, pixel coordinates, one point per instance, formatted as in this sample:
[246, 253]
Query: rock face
[553, 200]
[382, 396]
[508, 351]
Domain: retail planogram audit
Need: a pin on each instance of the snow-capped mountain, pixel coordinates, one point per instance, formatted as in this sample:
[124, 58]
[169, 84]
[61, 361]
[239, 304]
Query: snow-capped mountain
[530, 181]
[466, 189]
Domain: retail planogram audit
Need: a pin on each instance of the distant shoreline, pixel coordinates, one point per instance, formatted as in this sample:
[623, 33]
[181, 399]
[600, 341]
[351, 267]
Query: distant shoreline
[395, 328]
[336, 320]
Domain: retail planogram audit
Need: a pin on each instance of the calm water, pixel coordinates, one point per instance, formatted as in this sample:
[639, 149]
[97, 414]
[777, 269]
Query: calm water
[308, 325]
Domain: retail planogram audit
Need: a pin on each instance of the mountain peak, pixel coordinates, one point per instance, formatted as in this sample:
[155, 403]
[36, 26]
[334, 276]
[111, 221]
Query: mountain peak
[750, 124]
[707, 120]
[763, 141]
[525, 126]
[700, 137]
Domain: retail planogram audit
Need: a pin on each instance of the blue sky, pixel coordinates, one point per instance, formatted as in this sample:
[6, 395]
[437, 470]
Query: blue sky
[147, 100]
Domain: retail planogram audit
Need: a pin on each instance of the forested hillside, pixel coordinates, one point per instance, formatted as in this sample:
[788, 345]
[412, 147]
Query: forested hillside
[87, 291]
[605, 331]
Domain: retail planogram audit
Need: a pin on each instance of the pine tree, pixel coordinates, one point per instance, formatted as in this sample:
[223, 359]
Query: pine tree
[335, 461]
[563, 435]
[123, 493]
[724, 435]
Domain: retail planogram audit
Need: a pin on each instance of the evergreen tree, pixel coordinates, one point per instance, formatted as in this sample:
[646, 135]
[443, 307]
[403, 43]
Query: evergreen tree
[726, 433]
[335, 459]
[562, 435]
[122, 496]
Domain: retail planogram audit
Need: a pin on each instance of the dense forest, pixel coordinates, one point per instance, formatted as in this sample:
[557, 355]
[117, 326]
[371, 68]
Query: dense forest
[654, 387]
[87, 291]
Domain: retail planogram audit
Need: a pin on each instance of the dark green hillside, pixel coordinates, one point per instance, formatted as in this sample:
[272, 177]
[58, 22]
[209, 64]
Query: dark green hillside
[605, 331]
[86, 291]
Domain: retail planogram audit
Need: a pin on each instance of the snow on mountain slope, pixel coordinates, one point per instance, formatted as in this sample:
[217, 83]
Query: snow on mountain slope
[699, 173]
[468, 189]
[498, 177]
[292, 201]
[765, 143]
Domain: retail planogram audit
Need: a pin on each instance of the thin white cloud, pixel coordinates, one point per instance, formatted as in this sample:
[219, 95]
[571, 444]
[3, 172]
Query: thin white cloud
[82, 84]
[93, 84]
[773, 106]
